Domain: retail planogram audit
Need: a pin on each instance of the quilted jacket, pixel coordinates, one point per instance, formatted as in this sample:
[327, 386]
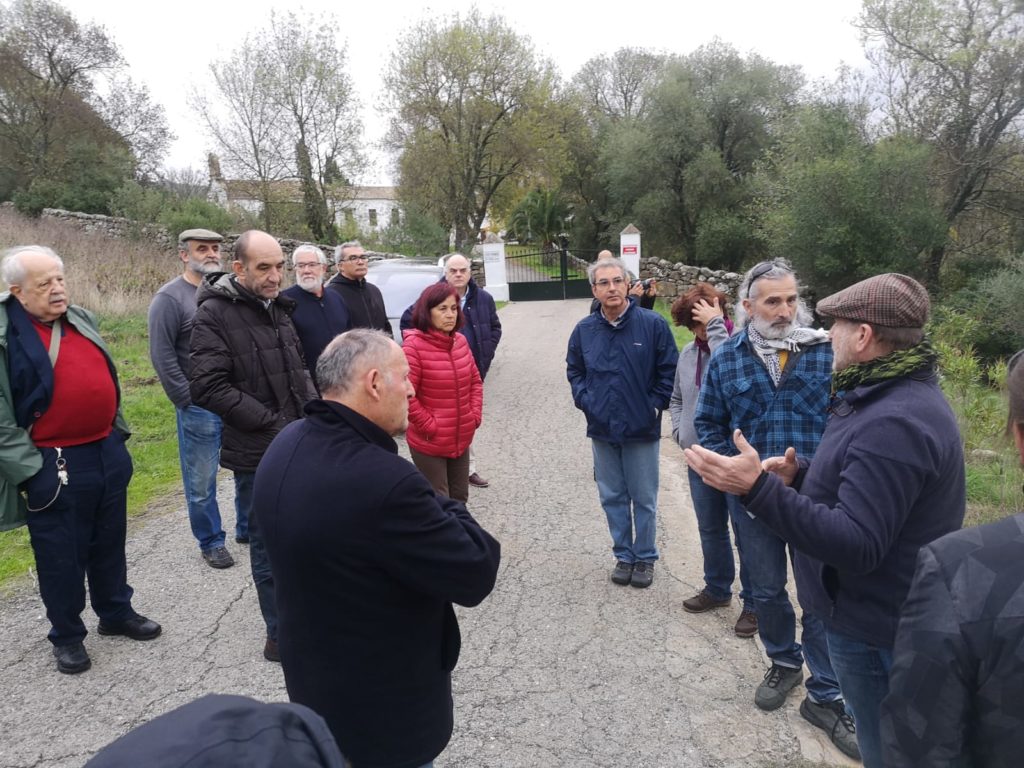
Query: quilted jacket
[246, 366]
[449, 400]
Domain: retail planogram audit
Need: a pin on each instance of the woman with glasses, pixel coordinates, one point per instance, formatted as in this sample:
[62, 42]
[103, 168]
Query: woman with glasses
[448, 405]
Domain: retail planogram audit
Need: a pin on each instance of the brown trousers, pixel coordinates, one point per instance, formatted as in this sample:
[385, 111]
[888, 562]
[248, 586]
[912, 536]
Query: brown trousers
[449, 477]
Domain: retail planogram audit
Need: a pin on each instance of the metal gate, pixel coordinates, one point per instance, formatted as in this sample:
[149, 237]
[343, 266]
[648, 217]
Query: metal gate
[557, 273]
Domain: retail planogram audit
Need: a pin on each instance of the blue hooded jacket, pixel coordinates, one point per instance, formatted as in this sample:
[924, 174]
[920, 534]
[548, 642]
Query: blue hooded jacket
[622, 375]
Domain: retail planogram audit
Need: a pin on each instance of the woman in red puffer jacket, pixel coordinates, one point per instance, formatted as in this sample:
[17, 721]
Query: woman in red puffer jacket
[448, 404]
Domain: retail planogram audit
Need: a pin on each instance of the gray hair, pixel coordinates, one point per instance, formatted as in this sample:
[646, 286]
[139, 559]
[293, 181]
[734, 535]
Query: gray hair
[343, 246]
[12, 270]
[776, 269]
[604, 263]
[348, 355]
[309, 248]
[452, 256]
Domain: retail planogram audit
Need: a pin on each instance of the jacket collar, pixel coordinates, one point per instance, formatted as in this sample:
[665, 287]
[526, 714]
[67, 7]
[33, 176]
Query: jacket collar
[331, 414]
[226, 286]
[340, 279]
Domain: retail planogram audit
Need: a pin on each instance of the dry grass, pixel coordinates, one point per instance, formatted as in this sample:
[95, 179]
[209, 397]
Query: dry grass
[108, 275]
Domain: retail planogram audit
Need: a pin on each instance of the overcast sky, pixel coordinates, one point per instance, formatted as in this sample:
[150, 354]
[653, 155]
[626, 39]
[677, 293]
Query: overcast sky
[168, 45]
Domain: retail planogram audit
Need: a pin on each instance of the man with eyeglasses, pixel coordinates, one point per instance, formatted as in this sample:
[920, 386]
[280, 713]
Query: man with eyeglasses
[621, 367]
[319, 315]
[887, 478]
[772, 381]
[363, 299]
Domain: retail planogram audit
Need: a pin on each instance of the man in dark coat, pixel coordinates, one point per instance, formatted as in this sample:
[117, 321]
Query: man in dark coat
[246, 366]
[887, 478]
[955, 690]
[363, 299]
[319, 315]
[482, 328]
[367, 561]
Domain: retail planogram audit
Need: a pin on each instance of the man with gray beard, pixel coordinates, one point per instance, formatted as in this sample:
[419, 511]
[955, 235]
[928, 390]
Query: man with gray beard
[319, 315]
[199, 431]
[772, 380]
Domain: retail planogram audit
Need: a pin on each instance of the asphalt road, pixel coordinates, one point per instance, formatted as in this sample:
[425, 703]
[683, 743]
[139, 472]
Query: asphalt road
[559, 666]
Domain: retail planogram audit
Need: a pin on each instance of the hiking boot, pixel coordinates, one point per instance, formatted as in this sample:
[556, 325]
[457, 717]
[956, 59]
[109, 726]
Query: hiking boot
[622, 573]
[834, 720]
[746, 624]
[703, 601]
[778, 681]
[218, 557]
[643, 575]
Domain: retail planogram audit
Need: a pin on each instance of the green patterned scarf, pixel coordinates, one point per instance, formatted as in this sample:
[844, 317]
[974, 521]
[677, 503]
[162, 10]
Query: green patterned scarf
[899, 363]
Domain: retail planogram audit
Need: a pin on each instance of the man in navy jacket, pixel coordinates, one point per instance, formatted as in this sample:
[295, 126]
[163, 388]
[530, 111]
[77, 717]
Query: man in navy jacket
[367, 561]
[888, 478]
[621, 367]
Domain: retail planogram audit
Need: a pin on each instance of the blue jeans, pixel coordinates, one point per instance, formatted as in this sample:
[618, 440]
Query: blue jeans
[713, 512]
[258, 560]
[199, 451]
[765, 557]
[863, 672]
[627, 484]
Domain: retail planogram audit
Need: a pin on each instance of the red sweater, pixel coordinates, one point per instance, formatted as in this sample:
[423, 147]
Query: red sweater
[449, 401]
[84, 400]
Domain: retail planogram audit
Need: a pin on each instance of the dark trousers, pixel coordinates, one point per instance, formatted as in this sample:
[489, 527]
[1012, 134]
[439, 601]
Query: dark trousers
[81, 535]
[259, 562]
[449, 477]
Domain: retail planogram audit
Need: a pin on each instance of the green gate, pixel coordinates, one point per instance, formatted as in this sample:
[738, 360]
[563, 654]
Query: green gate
[556, 273]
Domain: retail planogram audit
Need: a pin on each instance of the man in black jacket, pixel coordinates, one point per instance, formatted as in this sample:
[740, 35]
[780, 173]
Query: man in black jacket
[363, 299]
[367, 561]
[246, 366]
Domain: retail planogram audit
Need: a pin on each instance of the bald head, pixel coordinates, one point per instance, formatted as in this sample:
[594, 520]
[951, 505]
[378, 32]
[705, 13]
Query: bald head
[259, 263]
[606, 254]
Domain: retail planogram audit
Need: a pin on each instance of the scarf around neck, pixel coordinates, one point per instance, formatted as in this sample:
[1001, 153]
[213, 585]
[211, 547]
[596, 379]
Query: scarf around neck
[768, 349]
[902, 362]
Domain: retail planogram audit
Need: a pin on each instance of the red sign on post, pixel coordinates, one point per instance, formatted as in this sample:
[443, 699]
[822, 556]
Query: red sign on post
[629, 250]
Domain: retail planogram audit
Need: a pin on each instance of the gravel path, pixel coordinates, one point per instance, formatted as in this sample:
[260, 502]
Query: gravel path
[559, 666]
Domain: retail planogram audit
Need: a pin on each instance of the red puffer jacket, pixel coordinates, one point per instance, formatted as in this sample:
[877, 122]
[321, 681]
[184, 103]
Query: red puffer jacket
[449, 400]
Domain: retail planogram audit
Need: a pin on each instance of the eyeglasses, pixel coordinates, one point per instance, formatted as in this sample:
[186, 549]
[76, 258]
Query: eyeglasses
[307, 265]
[614, 281]
[761, 270]
[362, 257]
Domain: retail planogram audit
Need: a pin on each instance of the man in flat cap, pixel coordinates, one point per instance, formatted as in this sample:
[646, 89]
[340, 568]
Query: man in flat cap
[199, 431]
[887, 478]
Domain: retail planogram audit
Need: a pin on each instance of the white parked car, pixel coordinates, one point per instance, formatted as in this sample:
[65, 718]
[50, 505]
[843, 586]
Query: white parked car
[401, 281]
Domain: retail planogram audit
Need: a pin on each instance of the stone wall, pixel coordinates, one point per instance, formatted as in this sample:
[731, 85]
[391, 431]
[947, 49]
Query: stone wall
[676, 279]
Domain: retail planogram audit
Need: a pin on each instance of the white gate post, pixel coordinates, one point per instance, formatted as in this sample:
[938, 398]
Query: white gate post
[629, 249]
[494, 267]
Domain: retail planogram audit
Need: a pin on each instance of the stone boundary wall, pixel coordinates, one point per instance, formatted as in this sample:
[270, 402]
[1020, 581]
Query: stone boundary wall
[675, 279]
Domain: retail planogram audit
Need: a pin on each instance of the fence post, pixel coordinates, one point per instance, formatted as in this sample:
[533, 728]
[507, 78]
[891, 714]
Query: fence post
[494, 267]
[629, 249]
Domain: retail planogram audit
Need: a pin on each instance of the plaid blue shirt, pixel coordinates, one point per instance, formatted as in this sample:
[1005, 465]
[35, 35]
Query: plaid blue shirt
[738, 393]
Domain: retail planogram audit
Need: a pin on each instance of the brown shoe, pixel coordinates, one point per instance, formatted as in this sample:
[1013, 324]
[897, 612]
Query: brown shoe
[702, 601]
[746, 624]
[478, 481]
[270, 652]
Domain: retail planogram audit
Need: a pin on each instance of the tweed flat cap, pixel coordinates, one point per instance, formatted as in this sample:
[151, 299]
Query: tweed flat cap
[199, 234]
[892, 300]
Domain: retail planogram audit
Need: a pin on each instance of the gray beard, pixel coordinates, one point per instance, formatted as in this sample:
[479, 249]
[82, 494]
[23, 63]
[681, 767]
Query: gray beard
[769, 331]
[199, 268]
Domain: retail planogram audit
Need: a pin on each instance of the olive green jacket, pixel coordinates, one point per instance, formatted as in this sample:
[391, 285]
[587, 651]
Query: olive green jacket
[19, 457]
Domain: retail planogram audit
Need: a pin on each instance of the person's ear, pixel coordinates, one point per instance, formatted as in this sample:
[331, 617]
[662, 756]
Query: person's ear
[238, 268]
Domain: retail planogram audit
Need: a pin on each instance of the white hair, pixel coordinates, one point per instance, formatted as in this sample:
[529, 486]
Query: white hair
[12, 269]
[309, 248]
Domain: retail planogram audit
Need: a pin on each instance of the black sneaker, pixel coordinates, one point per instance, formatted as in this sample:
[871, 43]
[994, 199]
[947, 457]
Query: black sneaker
[72, 659]
[778, 681]
[622, 573]
[218, 557]
[643, 575]
[834, 720]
